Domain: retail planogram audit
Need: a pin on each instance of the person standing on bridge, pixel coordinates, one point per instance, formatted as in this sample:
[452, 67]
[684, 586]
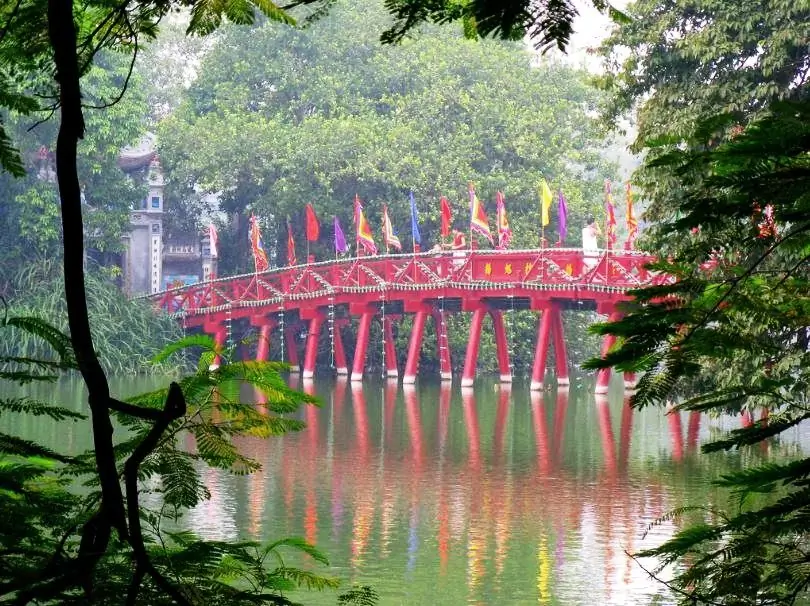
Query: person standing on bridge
[590, 242]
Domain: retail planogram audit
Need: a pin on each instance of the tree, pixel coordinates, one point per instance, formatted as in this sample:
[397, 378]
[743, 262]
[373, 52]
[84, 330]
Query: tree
[30, 231]
[678, 64]
[59, 39]
[745, 312]
[279, 117]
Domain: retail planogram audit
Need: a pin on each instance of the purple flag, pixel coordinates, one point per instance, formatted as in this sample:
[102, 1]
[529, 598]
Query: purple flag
[340, 238]
[563, 214]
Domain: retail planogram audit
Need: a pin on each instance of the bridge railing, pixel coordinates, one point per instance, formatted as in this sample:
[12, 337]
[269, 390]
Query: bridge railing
[549, 268]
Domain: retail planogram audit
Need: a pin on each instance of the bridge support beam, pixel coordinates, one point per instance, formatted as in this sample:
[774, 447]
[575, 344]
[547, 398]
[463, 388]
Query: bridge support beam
[361, 348]
[471, 358]
[560, 352]
[220, 335]
[443, 346]
[311, 348]
[541, 348]
[415, 347]
[389, 348]
[291, 344]
[603, 375]
[263, 344]
[340, 353]
[501, 346]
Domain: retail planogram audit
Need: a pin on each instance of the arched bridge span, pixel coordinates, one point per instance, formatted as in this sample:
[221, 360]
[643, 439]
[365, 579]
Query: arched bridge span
[426, 285]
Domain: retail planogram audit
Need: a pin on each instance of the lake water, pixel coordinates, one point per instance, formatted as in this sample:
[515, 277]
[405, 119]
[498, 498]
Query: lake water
[434, 495]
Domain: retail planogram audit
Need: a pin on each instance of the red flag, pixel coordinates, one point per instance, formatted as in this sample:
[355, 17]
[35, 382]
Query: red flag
[632, 222]
[313, 225]
[291, 260]
[447, 216]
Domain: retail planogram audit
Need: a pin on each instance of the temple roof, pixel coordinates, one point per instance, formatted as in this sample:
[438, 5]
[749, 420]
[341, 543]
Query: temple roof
[139, 155]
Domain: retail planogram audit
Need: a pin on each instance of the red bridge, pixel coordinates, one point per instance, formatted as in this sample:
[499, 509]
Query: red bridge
[429, 284]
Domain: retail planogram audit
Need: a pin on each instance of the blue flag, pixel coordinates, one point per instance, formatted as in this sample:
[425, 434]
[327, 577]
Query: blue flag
[417, 237]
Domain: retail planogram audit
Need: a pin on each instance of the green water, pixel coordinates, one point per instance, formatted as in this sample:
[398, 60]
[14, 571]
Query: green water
[438, 496]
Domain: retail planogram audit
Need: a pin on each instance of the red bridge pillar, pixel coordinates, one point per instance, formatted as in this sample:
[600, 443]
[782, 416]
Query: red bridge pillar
[501, 345]
[541, 348]
[471, 358]
[560, 352]
[220, 334]
[311, 347]
[340, 353]
[415, 346]
[603, 375]
[290, 336]
[391, 369]
[443, 346]
[265, 326]
[361, 348]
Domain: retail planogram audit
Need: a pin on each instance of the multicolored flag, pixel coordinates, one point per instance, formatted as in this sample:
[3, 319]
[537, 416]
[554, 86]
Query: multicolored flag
[502, 223]
[256, 244]
[562, 206]
[545, 202]
[632, 222]
[389, 237]
[313, 225]
[611, 216]
[213, 240]
[447, 216]
[417, 237]
[364, 235]
[478, 216]
[291, 260]
[340, 238]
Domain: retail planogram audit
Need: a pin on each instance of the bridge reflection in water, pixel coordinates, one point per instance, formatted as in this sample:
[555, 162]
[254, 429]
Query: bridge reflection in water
[501, 495]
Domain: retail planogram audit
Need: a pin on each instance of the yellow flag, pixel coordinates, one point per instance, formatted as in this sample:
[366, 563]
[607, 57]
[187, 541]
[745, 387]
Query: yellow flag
[545, 196]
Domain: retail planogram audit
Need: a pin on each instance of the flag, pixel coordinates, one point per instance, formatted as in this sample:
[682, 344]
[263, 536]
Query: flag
[417, 237]
[562, 205]
[256, 244]
[389, 237]
[504, 232]
[545, 204]
[313, 225]
[213, 240]
[611, 216]
[632, 222]
[340, 238]
[291, 260]
[364, 235]
[478, 216]
[447, 216]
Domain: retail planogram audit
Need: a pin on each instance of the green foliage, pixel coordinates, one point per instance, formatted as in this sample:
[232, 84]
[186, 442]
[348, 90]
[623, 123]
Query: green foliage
[44, 508]
[733, 336]
[678, 65]
[126, 332]
[279, 117]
